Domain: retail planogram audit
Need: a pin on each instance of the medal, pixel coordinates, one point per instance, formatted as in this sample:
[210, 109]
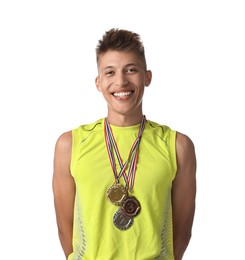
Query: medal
[122, 221]
[116, 194]
[131, 206]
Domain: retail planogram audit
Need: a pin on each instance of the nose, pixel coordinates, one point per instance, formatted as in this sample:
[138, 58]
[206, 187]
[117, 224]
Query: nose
[121, 79]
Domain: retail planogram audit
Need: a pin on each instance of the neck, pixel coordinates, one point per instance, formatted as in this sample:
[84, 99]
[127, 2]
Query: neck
[124, 120]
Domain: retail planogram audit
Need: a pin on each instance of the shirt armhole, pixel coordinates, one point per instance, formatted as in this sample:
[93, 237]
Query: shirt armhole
[172, 146]
[73, 148]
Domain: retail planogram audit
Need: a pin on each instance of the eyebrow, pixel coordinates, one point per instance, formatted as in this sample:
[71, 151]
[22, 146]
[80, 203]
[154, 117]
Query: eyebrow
[127, 65]
[131, 64]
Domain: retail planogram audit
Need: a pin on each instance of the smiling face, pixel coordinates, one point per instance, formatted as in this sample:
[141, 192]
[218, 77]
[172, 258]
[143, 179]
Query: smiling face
[122, 79]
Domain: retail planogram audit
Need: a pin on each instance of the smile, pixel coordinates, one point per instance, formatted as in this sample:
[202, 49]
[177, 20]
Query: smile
[122, 94]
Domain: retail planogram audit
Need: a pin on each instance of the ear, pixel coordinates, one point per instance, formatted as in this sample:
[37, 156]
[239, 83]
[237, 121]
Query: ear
[97, 83]
[148, 77]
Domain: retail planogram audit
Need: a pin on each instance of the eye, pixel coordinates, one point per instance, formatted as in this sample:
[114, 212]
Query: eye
[109, 73]
[131, 70]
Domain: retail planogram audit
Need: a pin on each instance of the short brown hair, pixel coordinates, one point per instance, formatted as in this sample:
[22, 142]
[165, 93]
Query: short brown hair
[120, 40]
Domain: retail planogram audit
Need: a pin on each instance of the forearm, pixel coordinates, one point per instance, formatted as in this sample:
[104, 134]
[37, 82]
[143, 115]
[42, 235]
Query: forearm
[180, 246]
[66, 242]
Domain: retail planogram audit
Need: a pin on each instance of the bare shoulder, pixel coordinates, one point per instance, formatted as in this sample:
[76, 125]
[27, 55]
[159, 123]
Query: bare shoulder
[62, 156]
[185, 151]
[64, 143]
[65, 139]
[184, 143]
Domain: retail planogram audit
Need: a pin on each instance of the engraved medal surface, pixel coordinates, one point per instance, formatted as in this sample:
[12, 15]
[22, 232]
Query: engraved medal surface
[116, 194]
[122, 221]
[131, 206]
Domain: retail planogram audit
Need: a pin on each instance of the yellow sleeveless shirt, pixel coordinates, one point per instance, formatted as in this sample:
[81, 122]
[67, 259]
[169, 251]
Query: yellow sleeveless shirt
[95, 237]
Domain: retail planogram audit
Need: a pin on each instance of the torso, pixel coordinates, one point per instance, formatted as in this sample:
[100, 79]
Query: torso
[95, 236]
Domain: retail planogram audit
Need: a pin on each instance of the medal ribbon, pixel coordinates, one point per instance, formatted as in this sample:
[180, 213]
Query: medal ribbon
[111, 145]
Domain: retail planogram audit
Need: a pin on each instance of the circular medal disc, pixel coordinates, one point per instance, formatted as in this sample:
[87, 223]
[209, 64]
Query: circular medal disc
[122, 221]
[131, 206]
[116, 194]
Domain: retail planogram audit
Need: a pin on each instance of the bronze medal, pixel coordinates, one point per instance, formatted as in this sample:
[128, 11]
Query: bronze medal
[131, 206]
[122, 221]
[116, 194]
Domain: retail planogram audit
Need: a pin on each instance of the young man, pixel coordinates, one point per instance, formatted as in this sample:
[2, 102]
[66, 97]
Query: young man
[124, 186]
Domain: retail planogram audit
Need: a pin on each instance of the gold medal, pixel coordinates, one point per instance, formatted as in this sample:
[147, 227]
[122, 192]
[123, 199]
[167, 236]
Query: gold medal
[131, 206]
[116, 194]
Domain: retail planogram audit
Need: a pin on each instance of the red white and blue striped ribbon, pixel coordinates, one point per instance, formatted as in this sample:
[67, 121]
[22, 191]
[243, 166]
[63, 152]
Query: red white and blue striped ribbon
[133, 155]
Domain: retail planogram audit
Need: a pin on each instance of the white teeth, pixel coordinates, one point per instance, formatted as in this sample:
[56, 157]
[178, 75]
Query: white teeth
[122, 94]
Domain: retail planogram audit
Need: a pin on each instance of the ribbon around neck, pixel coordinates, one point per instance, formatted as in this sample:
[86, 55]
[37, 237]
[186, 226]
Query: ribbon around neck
[133, 155]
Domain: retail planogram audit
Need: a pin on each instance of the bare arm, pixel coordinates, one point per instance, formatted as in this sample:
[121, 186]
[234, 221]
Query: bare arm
[64, 191]
[183, 194]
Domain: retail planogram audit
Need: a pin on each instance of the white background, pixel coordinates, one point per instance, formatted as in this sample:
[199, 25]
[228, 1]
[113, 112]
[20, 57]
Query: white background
[47, 70]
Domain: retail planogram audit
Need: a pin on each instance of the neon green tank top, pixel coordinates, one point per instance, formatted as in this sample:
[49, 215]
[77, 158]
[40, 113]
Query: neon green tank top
[95, 237]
